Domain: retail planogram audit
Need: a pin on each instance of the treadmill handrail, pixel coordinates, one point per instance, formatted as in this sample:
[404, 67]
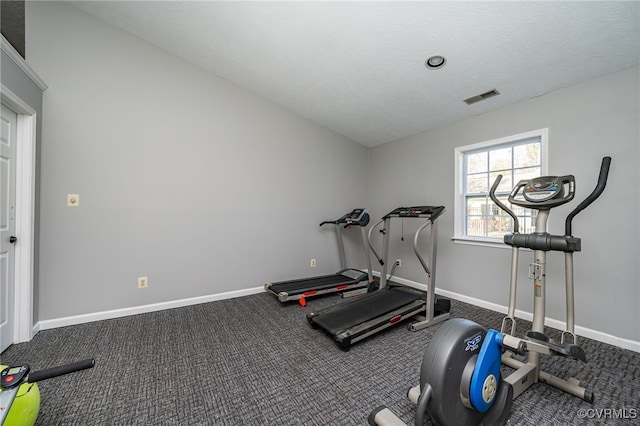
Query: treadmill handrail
[415, 247]
[341, 219]
[375, 253]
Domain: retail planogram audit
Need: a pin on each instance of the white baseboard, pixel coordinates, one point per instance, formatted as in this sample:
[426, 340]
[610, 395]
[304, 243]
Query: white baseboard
[117, 313]
[550, 322]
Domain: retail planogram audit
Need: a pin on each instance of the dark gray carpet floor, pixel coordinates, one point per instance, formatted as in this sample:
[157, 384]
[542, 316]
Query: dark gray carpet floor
[253, 361]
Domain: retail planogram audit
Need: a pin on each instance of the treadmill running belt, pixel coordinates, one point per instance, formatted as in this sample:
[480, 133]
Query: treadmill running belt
[365, 308]
[315, 283]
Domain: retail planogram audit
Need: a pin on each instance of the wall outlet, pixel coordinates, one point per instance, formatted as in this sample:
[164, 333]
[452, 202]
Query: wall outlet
[73, 200]
[313, 263]
[399, 263]
[143, 282]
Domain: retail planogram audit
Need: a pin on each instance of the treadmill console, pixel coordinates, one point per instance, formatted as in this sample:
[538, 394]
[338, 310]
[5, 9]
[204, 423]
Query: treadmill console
[431, 212]
[359, 217]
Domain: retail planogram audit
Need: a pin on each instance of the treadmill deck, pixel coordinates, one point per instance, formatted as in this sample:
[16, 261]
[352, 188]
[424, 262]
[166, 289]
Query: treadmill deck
[363, 309]
[347, 279]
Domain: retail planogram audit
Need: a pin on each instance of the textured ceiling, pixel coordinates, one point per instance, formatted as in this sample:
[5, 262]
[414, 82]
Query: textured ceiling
[358, 67]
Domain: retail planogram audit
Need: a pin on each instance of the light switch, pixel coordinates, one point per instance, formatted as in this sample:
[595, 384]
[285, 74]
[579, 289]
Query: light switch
[73, 200]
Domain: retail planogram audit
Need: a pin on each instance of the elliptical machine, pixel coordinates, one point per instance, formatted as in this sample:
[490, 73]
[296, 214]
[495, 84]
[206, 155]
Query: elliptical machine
[460, 380]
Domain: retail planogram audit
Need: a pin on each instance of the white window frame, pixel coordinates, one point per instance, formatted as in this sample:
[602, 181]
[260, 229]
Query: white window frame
[459, 202]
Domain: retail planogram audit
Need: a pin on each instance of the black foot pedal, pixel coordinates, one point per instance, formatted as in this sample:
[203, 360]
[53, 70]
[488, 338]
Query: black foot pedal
[568, 349]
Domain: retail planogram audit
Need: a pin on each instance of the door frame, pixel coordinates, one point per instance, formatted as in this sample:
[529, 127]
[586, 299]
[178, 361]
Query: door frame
[25, 215]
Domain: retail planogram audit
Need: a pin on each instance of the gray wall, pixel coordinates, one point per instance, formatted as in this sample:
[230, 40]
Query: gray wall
[182, 177]
[14, 79]
[586, 122]
[205, 188]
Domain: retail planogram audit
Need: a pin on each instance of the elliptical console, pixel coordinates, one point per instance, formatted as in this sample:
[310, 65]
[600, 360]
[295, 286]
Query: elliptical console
[544, 192]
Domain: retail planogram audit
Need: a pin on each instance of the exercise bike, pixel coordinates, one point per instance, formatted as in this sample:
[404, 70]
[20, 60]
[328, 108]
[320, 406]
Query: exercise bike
[19, 393]
[460, 378]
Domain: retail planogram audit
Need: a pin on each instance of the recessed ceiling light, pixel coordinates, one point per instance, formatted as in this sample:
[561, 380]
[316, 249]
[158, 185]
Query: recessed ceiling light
[435, 62]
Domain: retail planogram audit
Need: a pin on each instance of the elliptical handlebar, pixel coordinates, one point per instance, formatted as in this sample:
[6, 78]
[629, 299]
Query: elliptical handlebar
[492, 194]
[602, 183]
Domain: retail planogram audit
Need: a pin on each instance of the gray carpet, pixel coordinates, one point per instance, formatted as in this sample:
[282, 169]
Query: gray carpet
[253, 361]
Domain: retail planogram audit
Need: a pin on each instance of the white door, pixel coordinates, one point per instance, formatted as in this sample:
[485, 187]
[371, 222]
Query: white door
[8, 124]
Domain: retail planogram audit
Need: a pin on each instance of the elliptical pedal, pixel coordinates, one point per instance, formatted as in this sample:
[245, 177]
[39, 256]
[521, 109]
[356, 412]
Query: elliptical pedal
[570, 350]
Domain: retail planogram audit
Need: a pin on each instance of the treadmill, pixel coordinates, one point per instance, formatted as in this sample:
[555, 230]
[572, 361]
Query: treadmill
[359, 318]
[348, 281]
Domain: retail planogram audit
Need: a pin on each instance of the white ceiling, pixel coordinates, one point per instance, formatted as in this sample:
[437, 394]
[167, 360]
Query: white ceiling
[358, 67]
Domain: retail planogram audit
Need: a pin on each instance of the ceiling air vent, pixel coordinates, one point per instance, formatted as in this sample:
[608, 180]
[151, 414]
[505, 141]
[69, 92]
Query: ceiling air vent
[481, 97]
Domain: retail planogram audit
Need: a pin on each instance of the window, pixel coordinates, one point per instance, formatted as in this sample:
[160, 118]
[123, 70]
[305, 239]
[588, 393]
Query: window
[477, 167]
